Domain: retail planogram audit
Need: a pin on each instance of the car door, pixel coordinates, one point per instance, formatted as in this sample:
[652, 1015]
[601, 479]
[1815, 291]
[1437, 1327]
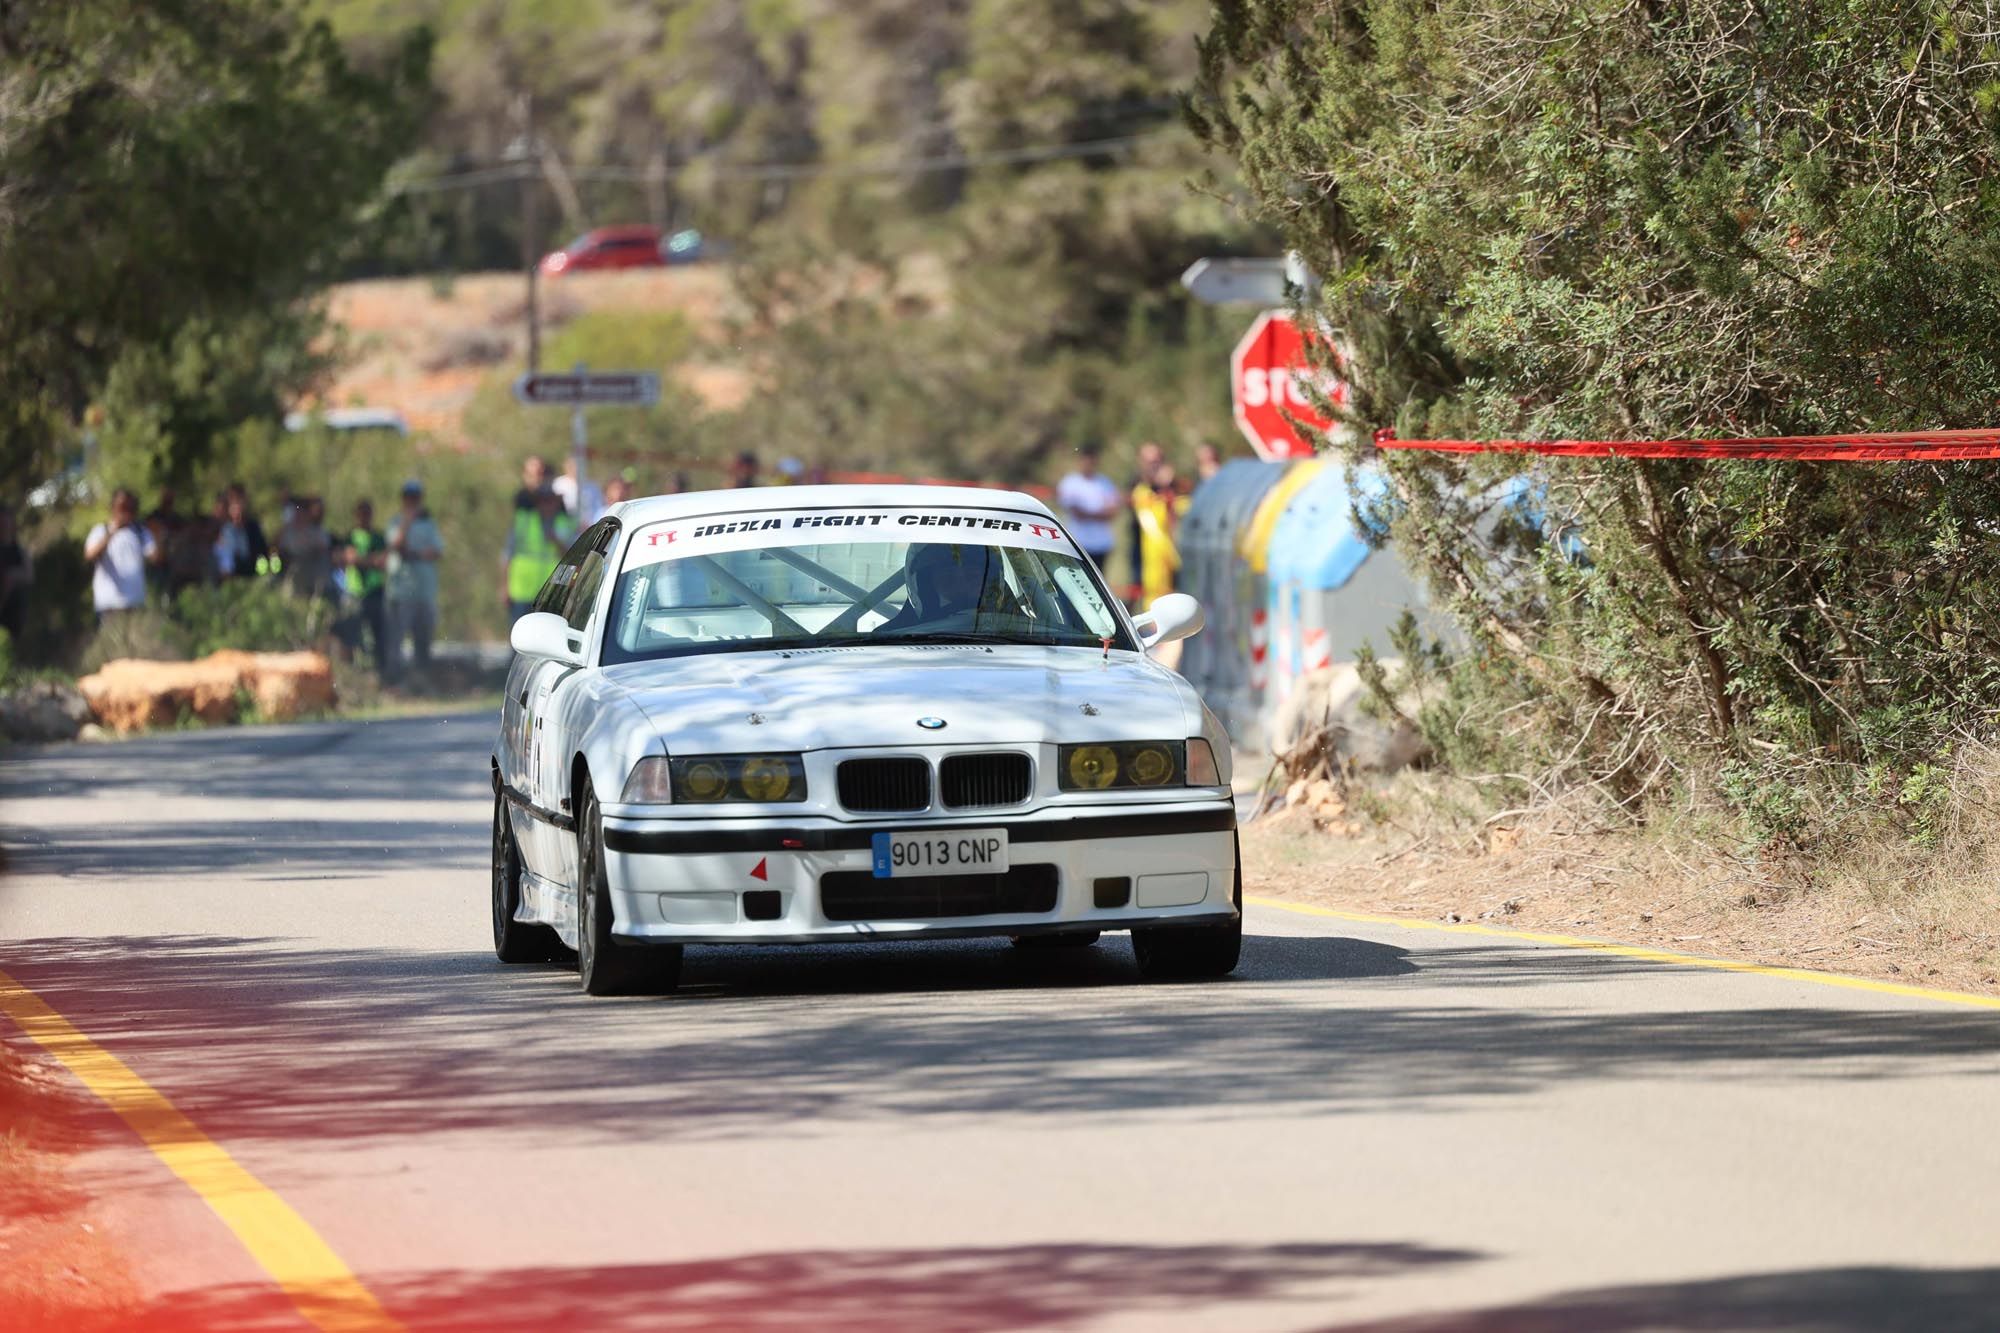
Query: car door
[555, 700]
[531, 683]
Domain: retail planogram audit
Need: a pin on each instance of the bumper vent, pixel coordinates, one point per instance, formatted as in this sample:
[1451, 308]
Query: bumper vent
[856, 895]
[970, 781]
[881, 786]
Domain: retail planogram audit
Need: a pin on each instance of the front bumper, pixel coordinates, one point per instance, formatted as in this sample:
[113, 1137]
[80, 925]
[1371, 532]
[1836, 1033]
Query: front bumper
[679, 881]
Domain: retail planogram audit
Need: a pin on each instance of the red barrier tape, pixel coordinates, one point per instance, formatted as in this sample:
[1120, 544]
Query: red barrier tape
[1936, 445]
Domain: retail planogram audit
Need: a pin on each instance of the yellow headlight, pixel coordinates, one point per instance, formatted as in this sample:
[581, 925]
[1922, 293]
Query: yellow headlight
[1151, 766]
[766, 779]
[705, 781]
[1093, 767]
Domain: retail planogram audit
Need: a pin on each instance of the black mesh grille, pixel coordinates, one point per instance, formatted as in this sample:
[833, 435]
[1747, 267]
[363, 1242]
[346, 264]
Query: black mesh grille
[880, 785]
[856, 895]
[972, 780]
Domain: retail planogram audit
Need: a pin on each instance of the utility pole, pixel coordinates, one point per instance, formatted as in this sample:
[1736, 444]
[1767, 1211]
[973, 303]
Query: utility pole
[522, 150]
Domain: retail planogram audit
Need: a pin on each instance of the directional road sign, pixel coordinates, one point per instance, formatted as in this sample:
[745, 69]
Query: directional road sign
[597, 388]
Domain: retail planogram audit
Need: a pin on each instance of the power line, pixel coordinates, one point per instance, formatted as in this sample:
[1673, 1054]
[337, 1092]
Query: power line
[767, 171]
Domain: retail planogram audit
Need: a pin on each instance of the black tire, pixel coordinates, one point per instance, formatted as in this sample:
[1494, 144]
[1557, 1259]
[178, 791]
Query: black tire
[1192, 953]
[1069, 939]
[605, 966]
[514, 941]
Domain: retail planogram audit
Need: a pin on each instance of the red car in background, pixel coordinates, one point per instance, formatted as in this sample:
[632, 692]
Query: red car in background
[630, 246]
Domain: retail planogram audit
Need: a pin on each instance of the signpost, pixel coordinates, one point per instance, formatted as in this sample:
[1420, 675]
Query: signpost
[1268, 375]
[580, 389]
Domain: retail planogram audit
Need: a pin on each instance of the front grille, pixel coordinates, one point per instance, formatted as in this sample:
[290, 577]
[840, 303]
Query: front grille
[885, 785]
[856, 895]
[972, 780]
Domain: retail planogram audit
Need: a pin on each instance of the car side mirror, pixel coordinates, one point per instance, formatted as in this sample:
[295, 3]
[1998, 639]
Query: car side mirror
[546, 634]
[1174, 616]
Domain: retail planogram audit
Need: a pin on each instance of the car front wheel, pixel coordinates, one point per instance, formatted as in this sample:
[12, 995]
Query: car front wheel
[606, 966]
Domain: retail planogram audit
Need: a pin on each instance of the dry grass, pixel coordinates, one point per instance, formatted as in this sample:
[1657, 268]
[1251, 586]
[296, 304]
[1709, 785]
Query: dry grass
[1866, 900]
[56, 1270]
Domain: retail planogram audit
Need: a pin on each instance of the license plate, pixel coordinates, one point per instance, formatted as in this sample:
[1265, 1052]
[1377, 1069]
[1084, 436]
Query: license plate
[962, 851]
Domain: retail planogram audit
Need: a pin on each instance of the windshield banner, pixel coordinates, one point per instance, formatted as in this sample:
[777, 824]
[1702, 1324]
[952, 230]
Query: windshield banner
[710, 534]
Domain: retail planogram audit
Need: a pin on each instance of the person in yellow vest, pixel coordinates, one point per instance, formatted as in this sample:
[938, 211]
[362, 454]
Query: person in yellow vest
[1157, 506]
[535, 545]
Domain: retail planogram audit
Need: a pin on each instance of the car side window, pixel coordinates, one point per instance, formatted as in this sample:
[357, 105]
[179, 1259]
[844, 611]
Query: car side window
[554, 595]
[590, 573]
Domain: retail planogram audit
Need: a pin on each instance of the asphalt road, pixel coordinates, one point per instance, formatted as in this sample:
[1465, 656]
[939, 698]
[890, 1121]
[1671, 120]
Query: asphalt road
[284, 932]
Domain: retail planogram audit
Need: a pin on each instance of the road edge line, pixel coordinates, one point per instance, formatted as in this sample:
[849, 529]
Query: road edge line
[280, 1241]
[1641, 952]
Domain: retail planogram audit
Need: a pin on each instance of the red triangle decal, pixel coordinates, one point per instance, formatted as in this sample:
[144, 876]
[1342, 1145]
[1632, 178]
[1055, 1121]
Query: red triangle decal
[760, 872]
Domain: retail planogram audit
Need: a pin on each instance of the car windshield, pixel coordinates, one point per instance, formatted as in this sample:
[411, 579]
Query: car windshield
[854, 577]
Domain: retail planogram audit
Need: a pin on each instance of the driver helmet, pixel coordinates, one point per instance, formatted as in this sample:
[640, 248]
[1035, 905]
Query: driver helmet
[930, 567]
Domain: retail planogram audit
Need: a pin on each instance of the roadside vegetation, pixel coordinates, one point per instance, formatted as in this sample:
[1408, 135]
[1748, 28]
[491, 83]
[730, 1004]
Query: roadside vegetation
[1648, 222]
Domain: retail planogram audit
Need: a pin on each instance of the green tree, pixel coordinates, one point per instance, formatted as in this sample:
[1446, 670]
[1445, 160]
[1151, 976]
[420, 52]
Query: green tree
[1579, 219]
[170, 167]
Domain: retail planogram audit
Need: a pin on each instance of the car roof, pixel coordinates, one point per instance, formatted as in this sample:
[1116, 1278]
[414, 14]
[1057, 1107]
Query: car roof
[620, 231]
[749, 499]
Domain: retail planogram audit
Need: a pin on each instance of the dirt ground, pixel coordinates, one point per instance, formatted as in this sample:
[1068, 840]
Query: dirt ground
[1868, 916]
[424, 347]
[58, 1269]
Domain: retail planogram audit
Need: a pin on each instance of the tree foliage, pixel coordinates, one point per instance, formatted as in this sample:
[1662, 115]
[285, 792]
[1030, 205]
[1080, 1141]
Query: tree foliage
[1576, 218]
[167, 168]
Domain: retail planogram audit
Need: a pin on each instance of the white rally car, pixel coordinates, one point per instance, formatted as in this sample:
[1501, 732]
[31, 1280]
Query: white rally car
[848, 713]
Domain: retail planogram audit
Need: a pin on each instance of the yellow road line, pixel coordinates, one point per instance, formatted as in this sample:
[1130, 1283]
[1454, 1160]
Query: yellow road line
[284, 1244]
[1639, 951]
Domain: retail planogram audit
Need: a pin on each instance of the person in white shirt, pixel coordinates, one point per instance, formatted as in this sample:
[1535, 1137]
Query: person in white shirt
[1092, 500]
[119, 551]
[580, 496]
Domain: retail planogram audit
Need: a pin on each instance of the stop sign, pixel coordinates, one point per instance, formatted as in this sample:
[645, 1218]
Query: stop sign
[1268, 375]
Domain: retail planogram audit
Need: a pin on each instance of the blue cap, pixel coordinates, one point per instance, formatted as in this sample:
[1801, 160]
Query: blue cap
[413, 487]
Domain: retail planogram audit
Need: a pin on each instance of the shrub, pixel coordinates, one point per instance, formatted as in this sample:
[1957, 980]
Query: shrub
[255, 615]
[146, 633]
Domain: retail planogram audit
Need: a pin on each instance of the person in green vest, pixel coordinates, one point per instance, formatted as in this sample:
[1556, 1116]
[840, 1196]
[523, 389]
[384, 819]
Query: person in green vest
[363, 577]
[535, 546]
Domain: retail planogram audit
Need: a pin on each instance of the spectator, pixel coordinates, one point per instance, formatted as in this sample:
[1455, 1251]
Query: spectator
[306, 550]
[414, 549]
[617, 491]
[1144, 463]
[580, 496]
[190, 553]
[534, 480]
[1092, 499]
[366, 557]
[17, 572]
[163, 522]
[534, 547]
[1207, 462]
[743, 471]
[240, 548]
[790, 472]
[1157, 506]
[120, 551]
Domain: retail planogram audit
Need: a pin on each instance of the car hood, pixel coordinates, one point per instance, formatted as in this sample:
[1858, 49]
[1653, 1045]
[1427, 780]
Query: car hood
[873, 696]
